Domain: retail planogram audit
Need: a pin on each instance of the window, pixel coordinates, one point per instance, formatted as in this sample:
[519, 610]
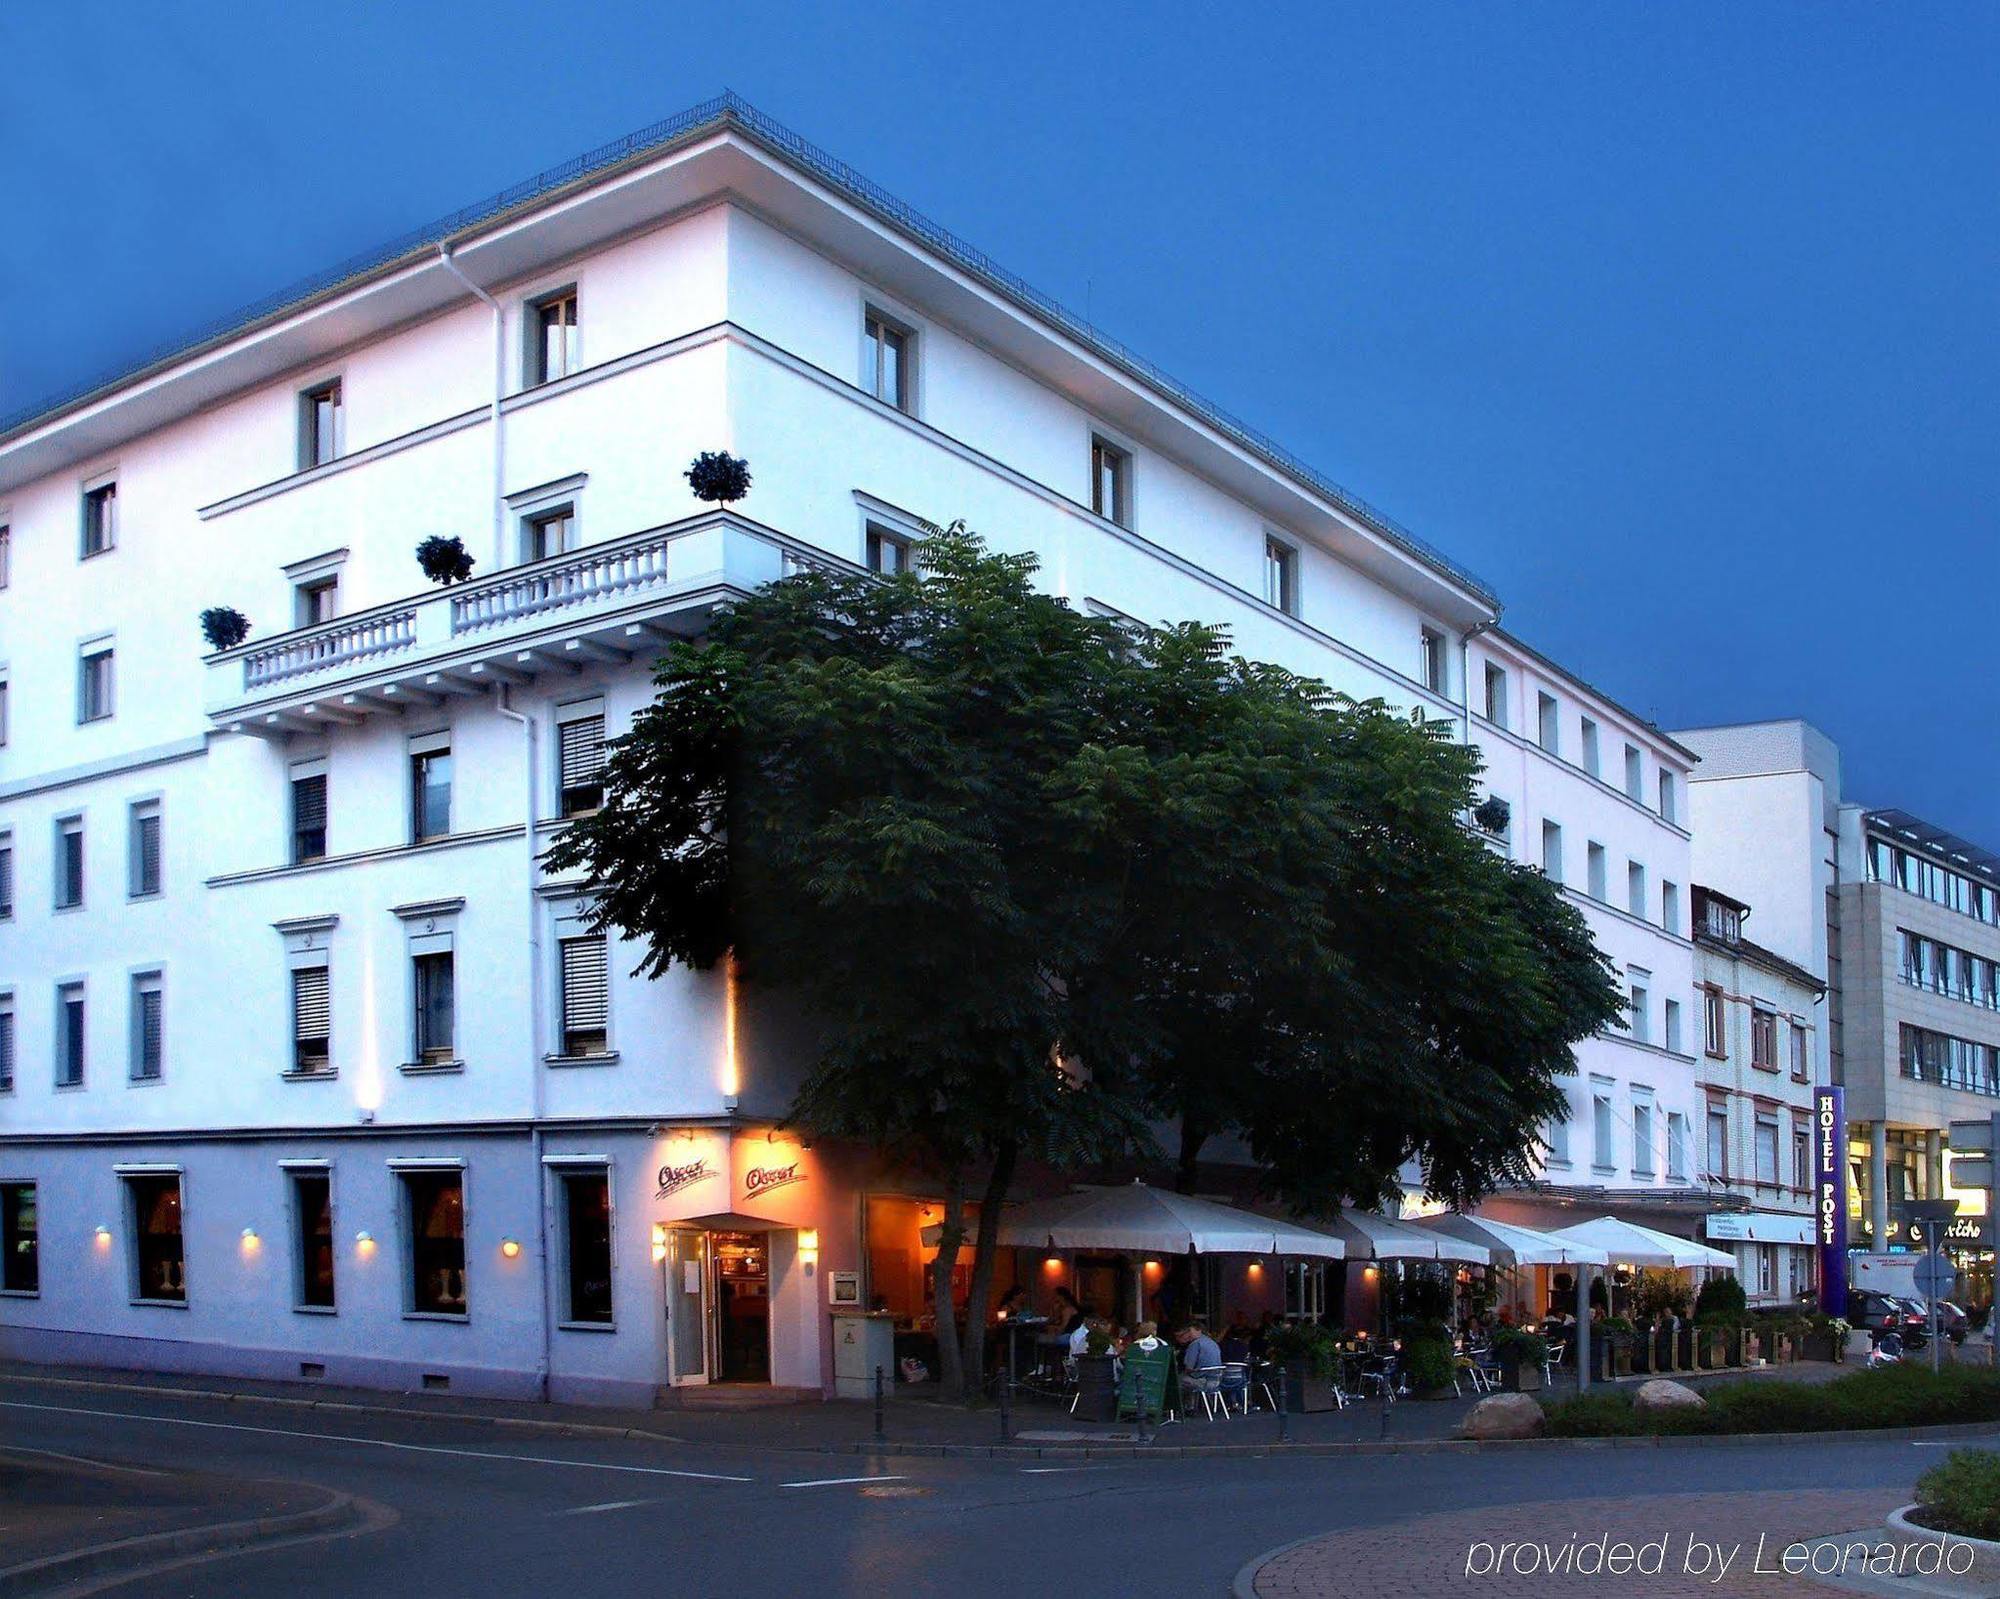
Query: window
[1714, 1035]
[6, 553]
[20, 1239]
[1635, 888]
[1763, 1039]
[1801, 1057]
[1110, 482]
[886, 552]
[316, 600]
[586, 996]
[100, 519]
[6, 1043]
[579, 761]
[3, 708]
[1640, 1009]
[1670, 906]
[1548, 722]
[1668, 809]
[1801, 1155]
[95, 683]
[1590, 760]
[549, 532]
[1281, 575]
[1595, 869]
[69, 863]
[1633, 772]
[1601, 1155]
[553, 351]
[1718, 1141]
[1642, 1140]
[434, 981]
[1677, 1146]
[6, 877]
[886, 360]
[149, 1044]
[1558, 1139]
[1767, 1148]
[435, 1213]
[1496, 695]
[159, 1267]
[312, 1018]
[70, 1031]
[1767, 1266]
[430, 788]
[1552, 851]
[1432, 644]
[312, 1222]
[142, 849]
[586, 1197]
[1673, 1026]
[308, 812]
[322, 426]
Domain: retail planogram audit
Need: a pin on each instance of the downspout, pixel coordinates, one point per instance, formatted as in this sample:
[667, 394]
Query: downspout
[1465, 676]
[502, 702]
[499, 392]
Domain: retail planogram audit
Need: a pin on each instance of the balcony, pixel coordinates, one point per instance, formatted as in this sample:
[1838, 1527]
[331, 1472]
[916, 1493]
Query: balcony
[604, 603]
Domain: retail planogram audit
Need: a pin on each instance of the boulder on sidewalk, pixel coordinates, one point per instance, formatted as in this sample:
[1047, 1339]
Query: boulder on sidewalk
[1506, 1416]
[1660, 1394]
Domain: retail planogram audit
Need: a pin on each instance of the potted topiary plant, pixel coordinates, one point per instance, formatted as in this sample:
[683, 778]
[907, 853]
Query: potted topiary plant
[1493, 814]
[1428, 1364]
[1310, 1357]
[444, 560]
[1096, 1378]
[1719, 1311]
[1520, 1354]
[1617, 1332]
[224, 627]
[719, 477]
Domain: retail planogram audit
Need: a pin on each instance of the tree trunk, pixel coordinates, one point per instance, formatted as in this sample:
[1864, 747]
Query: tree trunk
[1187, 1170]
[951, 1377]
[985, 1256]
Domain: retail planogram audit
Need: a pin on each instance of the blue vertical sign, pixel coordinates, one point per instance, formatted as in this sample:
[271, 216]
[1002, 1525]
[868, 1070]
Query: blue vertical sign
[1830, 1197]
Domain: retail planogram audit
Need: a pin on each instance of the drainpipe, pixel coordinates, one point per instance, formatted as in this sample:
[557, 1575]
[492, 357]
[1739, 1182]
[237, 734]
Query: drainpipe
[499, 393]
[503, 703]
[1465, 676]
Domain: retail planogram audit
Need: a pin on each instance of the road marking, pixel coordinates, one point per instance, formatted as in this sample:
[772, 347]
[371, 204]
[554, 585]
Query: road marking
[1050, 1471]
[83, 1460]
[835, 1482]
[378, 1443]
[609, 1504]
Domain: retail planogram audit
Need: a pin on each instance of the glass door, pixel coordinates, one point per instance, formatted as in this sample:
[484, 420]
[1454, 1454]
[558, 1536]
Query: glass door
[686, 1291]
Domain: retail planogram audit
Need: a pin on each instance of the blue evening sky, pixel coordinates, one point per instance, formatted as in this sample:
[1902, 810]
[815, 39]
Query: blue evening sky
[1679, 323]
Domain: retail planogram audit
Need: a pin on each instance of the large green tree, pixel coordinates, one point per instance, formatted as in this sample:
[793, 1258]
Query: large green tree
[1038, 875]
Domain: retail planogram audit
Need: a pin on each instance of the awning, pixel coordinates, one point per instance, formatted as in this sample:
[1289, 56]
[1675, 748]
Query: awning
[1633, 1245]
[1152, 1221]
[1372, 1237]
[1514, 1246]
[1760, 1227]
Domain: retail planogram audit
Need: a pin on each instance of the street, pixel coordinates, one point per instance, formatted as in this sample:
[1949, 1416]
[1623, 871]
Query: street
[481, 1512]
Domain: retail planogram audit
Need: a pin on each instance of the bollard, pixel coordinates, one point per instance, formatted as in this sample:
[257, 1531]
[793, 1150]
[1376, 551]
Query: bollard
[1143, 1435]
[1006, 1406]
[1387, 1398]
[881, 1435]
[1284, 1415]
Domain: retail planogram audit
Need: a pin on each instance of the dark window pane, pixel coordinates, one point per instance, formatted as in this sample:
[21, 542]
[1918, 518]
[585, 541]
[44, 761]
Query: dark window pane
[156, 1210]
[20, 1239]
[587, 1200]
[313, 1195]
[437, 1241]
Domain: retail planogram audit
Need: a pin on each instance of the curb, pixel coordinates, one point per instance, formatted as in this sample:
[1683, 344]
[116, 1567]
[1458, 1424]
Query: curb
[1075, 1451]
[1899, 1521]
[135, 1555]
[1245, 1584]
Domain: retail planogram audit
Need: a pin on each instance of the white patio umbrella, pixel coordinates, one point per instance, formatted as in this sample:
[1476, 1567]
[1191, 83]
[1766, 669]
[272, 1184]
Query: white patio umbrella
[1642, 1246]
[1372, 1237]
[1514, 1246]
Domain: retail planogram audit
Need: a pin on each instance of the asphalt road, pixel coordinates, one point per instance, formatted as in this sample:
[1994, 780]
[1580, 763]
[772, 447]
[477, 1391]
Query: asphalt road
[488, 1514]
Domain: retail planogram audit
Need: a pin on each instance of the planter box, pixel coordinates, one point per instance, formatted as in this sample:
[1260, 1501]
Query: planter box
[1821, 1346]
[1666, 1349]
[1096, 1389]
[1684, 1347]
[1753, 1348]
[1519, 1376]
[1712, 1349]
[1621, 1353]
[1642, 1361]
[1306, 1389]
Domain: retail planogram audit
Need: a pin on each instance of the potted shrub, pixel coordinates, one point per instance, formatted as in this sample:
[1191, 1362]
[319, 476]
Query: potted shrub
[1660, 1298]
[719, 477]
[224, 627]
[1616, 1332]
[1096, 1379]
[1428, 1363]
[444, 560]
[1493, 814]
[1520, 1354]
[1754, 1343]
[1645, 1349]
[1310, 1356]
[1719, 1309]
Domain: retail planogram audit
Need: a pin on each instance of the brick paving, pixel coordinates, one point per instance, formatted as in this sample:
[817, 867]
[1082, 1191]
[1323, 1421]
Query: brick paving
[1425, 1556]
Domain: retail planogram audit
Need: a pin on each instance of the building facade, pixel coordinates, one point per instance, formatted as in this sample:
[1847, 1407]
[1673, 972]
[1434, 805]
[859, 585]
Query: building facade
[311, 1068]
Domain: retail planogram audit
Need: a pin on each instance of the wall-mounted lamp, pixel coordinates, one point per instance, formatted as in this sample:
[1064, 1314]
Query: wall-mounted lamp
[1052, 1265]
[659, 1243]
[364, 1243]
[510, 1247]
[808, 1240]
[250, 1239]
[103, 1237]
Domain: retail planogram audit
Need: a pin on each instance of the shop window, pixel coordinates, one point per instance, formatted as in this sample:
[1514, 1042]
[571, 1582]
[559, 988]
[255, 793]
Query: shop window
[586, 1199]
[434, 1213]
[158, 1261]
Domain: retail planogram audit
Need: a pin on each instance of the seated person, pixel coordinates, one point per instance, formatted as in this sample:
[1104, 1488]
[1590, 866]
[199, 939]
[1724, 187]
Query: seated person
[1068, 1314]
[1236, 1342]
[1145, 1338]
[1198, 1351]
[1260, 1338]
[1079, 1339]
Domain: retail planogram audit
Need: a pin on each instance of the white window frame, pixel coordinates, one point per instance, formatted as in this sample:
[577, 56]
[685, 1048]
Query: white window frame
[308, 945]
[1552, 850]
[1643, 1164]
[573, 711]
[309, 397]
[58, 871]
[535, 373]
[10, 1037]
[1124, 478]
[9, 886]
[430, 927]
[86, 491]
[1548, 722]
[146, 807]
[1282, 567]
[569, 913]
[416, 746]
[323, 1170]
[61, 1036]
[873, 311]
[100, 646]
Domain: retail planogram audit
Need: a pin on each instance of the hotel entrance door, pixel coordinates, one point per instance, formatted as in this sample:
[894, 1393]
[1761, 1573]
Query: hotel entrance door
[742, 1306]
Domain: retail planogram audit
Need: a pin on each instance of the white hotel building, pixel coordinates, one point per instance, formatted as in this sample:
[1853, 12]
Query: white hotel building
[309, 1068]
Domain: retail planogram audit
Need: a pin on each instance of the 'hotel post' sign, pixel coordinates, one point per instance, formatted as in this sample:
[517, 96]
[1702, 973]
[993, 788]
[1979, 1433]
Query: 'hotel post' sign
[1830, 1198]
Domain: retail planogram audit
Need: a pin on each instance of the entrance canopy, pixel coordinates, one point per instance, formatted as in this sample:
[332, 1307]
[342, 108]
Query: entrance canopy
[1372, 1237]
[1514, 1246]
[1152, 1221]
[1641, 1246]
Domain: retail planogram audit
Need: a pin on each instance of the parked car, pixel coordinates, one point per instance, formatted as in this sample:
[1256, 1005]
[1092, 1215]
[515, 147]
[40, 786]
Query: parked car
[1953, 1323]
[1882, 1313]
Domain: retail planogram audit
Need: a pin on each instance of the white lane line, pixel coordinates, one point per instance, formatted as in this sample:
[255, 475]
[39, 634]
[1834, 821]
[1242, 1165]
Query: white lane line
[835, 1482]
[378, 1443]
[82, 1460]
[1051, 1471]
[609, 1504]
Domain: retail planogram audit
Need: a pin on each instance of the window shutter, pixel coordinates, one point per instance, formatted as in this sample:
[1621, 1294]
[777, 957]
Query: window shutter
[6, 880]
[149, 1033]
[149, 855]
[586, 993]
[6, 1049]
[309, 802]
[312, 1016]
[582, 761]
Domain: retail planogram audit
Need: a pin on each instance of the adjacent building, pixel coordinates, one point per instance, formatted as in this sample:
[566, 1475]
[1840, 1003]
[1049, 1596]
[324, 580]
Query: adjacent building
[309, 1068]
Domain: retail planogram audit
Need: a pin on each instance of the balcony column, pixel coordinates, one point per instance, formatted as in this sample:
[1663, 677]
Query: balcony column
[1878, 1183]
[1934, 1164]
